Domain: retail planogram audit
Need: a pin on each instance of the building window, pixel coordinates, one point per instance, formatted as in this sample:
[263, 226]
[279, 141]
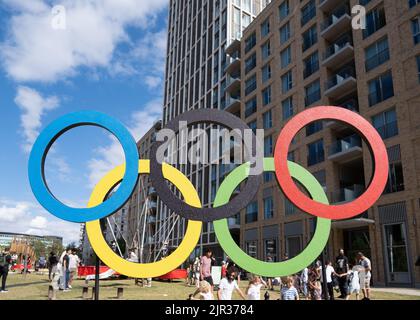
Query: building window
[268, 208]
[314, 127]
[396, 248]
[250, 107]
[312, 93]
[412, 3]
[418, 67]
[251, 212]
[268, 120]
[266, 73]
[311, 65]
[251, 248]
[381, 89]
[375, 20]
[285, 33]
[253, 126]
[250, 42]
[310, 37]
[386, 123]
[287, 82]
[287, 108]
[270, 250]
[284, 9]
[286, 57]
[266, 96]
[265, 28]
[289, 208]
[377, 54]
[316, 153]
[266, 50]
[415, 26]
[251, 85]
[396, 177]
[250, 63]
[308, 12]
[268, 146]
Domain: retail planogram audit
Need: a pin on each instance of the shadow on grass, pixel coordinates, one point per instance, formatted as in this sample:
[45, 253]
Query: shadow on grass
[19, 285]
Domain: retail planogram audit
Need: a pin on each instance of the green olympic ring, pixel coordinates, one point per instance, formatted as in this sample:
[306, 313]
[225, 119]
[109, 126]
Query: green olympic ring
[269, 269]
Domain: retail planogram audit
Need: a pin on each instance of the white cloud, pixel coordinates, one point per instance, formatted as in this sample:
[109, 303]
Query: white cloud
[33, 107]
[29, 218]
[34, 51]
[112, 155]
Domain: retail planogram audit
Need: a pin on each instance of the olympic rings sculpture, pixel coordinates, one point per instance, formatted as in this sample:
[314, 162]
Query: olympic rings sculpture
[223, 207]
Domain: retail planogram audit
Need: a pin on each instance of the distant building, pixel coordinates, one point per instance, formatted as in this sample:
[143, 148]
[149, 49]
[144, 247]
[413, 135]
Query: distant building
[6, 239]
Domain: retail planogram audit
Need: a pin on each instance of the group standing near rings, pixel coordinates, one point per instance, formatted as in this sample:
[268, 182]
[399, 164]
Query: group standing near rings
[342, 278]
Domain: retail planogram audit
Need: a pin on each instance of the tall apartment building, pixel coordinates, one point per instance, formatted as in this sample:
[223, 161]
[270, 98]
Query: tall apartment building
[300, 54]
[198, 33]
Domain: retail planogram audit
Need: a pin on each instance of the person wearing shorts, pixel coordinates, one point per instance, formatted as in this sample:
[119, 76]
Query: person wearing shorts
[367, 266]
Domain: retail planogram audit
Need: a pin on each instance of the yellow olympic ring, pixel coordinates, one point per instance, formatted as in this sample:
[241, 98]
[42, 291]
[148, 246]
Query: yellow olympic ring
[148, 270]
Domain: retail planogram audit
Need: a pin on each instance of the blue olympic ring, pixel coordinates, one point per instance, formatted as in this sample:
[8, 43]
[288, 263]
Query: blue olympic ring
[43, 145]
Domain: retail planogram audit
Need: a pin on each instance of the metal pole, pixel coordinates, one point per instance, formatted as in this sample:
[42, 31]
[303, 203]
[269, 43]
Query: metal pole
[98, 264]
[324, 276]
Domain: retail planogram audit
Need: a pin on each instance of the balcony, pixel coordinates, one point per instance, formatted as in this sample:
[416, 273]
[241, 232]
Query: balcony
[328, 5]
[233, 65]
[233, 84]
[347, 194]
[341, 84]
[338, 54]
[352, 105]
[338, 23]
[345, 150]
[233, 105]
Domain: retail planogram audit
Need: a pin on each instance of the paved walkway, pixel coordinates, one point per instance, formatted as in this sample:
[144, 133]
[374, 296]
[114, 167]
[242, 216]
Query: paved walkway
[403, 291]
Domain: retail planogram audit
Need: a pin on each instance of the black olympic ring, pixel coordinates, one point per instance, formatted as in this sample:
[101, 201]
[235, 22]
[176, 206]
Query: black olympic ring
[177, 205]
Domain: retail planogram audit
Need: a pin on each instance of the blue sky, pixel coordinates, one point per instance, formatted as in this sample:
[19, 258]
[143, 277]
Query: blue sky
[104, 55]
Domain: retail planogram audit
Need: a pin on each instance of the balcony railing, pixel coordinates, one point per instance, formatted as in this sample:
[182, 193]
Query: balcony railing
[377, 59]
[389, 130]
[347, 194]
[335, 48]
[334, 17]
[340, 77]
[345, 144]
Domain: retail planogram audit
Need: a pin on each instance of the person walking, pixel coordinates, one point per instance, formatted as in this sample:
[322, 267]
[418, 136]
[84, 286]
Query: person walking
[66, 270]
[74, 262]
[253, 291]
[5, 261]
[330, 273]
[354, 282]
[227, 286]
[52, 265]
[342, 268]
[289, 291]
[367, 266]
[304, 278]
[205, 268]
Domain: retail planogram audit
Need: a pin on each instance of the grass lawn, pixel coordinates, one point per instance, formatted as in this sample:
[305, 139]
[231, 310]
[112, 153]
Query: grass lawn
[35, 287]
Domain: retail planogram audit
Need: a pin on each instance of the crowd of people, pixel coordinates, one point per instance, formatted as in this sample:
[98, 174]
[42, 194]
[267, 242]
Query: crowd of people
[340, 277]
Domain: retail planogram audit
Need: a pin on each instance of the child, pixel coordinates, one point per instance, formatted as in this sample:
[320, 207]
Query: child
[289, 292]
[253, 291]
[354, 283]
[204, 291]
[314, 284]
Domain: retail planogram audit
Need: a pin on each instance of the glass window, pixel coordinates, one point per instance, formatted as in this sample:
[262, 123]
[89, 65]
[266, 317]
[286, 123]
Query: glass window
[252, 212]
[270, 250]
[289, 208]
[285, 33]
[287, 82]
[310, 37]
[312, 93]
[266, 50]
[316, 153]
[266, 73]
[250, 42]
[268, 146]
[250, 107]
[412, 3]
[415, 26]
[377, 54]
[268, 208]
[268, 120]
[251, 85]
[265, 28]
[375, 20]
[311, 65]
[386, 123]
[308, 12]
[266, 96]
[284, 9]
[250, 63]
[286, 57]
[418, 67]
[396, 247]
[251, 248]
[381, 89]
[287, 106]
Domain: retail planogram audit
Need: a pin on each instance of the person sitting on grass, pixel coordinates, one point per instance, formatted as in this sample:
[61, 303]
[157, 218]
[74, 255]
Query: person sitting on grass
[204, 291]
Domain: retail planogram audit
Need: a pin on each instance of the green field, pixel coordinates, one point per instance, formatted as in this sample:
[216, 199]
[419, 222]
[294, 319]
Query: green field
[35, 287]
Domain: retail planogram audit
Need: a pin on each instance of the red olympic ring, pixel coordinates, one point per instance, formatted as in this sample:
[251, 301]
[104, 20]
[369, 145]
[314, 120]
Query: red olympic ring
[365, 129]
